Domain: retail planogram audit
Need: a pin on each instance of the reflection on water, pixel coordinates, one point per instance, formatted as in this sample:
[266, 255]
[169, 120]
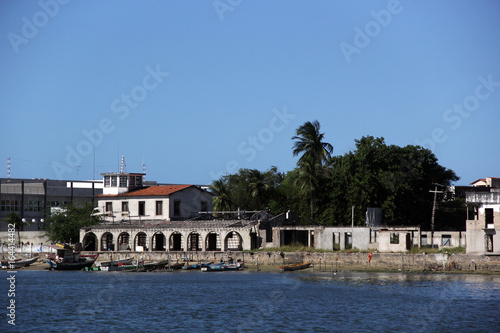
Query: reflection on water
[247, 302]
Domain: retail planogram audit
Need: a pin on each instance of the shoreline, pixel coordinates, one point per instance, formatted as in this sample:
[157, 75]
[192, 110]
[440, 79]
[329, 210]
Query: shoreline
[41, 265]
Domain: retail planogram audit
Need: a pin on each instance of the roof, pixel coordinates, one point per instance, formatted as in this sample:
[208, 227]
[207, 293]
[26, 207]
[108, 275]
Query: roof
[152, 191]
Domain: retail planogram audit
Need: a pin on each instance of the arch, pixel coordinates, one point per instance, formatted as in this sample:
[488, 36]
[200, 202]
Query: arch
[194, 242]
[90, 242]
[158, 242]
[124, 241]
[107, 242]
[140, 242]
[175, 241]
[213, 242]
[233, 242]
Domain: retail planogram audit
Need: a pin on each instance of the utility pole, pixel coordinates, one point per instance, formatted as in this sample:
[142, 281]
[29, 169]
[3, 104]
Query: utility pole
[434, 211]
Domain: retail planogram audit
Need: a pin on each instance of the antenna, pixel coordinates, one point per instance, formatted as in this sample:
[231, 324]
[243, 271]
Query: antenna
[123, 167]
[8, 169]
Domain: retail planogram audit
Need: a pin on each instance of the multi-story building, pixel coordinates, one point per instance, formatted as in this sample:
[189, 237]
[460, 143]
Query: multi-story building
[32, 199]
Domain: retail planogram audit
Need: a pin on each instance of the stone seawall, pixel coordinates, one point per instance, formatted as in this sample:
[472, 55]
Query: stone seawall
[330, 261]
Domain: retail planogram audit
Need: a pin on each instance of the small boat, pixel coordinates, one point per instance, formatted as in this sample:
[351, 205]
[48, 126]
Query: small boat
[220, 267]
[148, 266]
[66, 259]
[18, 263]
[295, 267]
[115, 263]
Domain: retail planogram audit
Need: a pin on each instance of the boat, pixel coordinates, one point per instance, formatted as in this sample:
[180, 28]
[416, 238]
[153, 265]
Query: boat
[222, 266]
[115, 263]
[18, 263]
[66, 259]
[295, 267]
[141, 266]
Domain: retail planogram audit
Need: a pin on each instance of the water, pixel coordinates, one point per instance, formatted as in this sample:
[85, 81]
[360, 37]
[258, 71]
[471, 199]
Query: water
[187, 301]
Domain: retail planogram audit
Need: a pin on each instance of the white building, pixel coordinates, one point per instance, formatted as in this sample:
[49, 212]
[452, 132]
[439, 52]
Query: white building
[483, 232]
[125, 199]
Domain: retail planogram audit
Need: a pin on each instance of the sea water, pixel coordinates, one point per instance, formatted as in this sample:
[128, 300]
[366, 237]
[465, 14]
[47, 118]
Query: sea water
[193, 301]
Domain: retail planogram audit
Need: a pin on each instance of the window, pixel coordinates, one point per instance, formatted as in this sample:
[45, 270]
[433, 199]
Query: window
[159, 208]
[142, 208]
[394, 238]
[488, 217]
[446, 240]
[123, 181]
[177, 208]
[114, 181]
[423, 240]
[204, 206]
[107, 181]
[132, 181]
[109, 207]
[125, 206]
[138, 180]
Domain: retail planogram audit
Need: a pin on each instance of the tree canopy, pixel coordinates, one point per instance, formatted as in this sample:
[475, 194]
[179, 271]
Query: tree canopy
[324, 188]
[64, 226]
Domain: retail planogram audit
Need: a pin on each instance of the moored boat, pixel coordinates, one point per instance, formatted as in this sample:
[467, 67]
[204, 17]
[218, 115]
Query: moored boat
[295, 267]
[220, 267]
[18, 263]
[66, 259]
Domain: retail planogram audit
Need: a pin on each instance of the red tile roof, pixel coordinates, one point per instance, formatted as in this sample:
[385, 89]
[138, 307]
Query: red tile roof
[154, 191]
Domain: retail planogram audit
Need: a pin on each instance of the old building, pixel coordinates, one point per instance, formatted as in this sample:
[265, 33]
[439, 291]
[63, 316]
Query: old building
[483, 230]
[126, 199]
[32, 199]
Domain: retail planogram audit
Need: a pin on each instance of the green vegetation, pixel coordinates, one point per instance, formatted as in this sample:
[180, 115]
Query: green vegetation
[323, 189]
[428, 250]
[64, 226]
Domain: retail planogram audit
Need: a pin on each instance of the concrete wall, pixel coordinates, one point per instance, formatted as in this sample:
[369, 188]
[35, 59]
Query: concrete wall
[326, 238]
[332, 261]
[35, 237]
[479, 235]
[442, 239]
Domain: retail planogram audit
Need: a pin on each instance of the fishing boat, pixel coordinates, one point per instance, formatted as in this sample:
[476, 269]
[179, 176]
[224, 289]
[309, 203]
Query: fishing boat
[18, 263]
[115, 263]
[66, 259]
[295, 267]
[220, 267]
[141, 266]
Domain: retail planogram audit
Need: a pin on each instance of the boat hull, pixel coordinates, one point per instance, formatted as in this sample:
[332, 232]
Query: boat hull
[295, 267]
[70, 266]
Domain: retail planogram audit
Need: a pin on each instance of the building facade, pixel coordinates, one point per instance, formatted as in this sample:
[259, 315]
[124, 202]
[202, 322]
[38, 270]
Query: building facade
[32, 199]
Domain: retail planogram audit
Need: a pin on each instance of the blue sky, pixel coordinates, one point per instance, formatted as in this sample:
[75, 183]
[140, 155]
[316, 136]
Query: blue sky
[198, 89]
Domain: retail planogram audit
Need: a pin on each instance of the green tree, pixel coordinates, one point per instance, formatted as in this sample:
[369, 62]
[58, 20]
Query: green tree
[309, 143]
[315, 152]
[222, 199]
[64, 226]
[397, 179]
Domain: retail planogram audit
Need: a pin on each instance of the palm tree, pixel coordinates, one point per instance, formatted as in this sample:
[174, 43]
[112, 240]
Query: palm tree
[309, 143]
[222, 193]
[315, 153]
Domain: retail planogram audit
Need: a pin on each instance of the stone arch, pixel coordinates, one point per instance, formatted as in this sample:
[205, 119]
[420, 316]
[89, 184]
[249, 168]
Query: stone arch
[107, 242]
[213, 242]
[175, 241]
[124, 241]
[141, 240]
[233, 241]
[158, 242]
[194, 241]
[90, 242]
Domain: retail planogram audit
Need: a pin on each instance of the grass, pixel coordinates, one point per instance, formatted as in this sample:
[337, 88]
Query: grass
[298, 247]
[428, 250]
